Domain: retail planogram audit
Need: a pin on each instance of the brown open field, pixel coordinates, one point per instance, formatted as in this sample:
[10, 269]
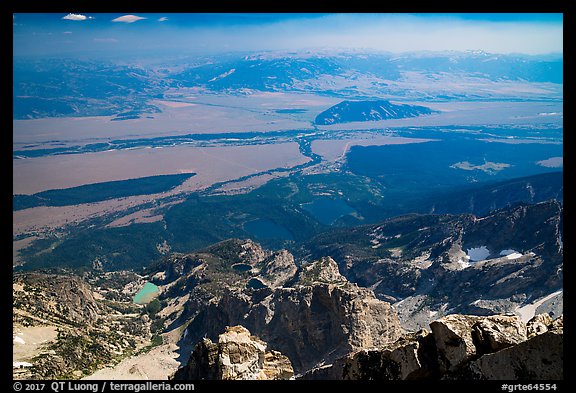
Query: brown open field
[44, 219]
[211, 164]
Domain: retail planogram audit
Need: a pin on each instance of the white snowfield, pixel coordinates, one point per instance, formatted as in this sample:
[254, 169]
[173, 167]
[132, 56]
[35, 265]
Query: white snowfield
[528, 311]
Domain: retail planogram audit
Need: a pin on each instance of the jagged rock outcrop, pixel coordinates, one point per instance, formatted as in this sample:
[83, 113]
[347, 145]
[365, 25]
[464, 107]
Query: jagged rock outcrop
[541, 357]
[237, 355]
[538, 325]
[323, 271]
[411, 357]
[62, 298]
[278, 269]
[497, 332]
[454, 342]
[318, 318]
[463, 347]
[460, 338]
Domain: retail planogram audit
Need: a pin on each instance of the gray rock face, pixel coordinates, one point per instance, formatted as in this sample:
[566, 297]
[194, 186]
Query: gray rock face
[497, 332]
[236, 356]
[318, 323]
[407, 358]
[539, 358]
[463, 347]
[454, 342]
[278, 269]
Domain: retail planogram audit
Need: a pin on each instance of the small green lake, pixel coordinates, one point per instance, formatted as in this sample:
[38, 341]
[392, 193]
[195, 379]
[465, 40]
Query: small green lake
[146, 294]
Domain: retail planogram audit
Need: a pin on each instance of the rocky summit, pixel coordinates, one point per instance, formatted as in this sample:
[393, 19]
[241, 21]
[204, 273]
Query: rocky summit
[236, 355]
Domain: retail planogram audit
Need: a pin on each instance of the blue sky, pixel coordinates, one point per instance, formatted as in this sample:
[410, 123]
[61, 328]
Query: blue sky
[117, 34]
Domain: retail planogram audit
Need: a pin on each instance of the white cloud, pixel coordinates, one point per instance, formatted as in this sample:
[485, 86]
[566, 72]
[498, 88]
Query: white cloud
[66, 32]
[75, 17]
[163, 19]
[128, 19]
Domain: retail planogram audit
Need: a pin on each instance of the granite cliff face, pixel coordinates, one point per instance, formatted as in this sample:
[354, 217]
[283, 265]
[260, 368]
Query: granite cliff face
[318, 318]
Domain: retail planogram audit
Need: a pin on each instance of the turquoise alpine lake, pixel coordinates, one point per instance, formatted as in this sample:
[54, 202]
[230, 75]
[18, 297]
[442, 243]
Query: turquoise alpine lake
[146, 294]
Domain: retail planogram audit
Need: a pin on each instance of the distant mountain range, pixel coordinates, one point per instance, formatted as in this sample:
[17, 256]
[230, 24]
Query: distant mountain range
[72, 87]
[371, 110]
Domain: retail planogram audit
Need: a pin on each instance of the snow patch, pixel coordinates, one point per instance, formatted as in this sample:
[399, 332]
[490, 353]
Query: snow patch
[510, 253]
[478, 253]
[528, 311]
[222, 76]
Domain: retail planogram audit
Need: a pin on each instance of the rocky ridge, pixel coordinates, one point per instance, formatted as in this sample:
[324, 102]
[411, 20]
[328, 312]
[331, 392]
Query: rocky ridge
[425, 264]
[329, 305]
[321, 311]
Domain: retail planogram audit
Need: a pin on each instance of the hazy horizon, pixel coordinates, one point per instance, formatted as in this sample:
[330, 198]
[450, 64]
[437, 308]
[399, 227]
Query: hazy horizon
[127, 34]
